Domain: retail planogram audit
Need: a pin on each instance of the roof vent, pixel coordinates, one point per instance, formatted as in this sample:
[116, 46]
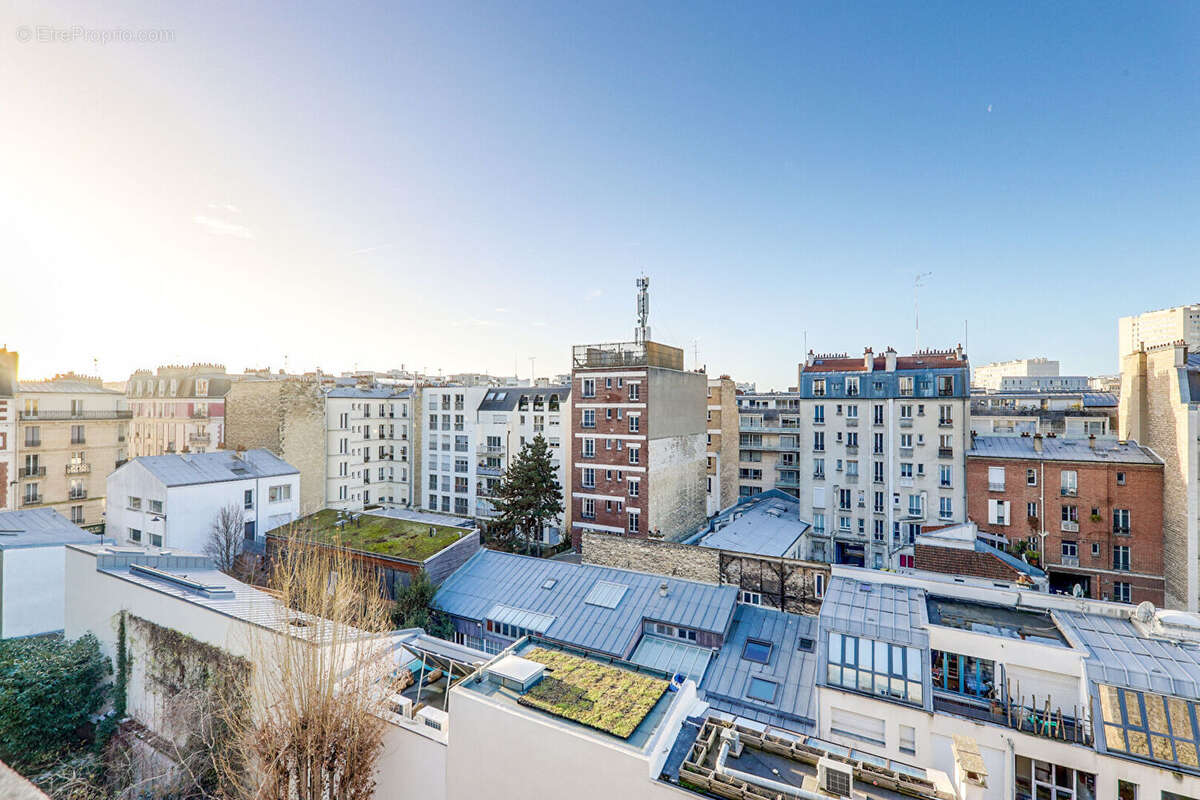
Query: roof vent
[663, 589]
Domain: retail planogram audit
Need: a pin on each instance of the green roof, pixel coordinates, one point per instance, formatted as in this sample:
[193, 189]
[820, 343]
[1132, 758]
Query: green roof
[385, 536]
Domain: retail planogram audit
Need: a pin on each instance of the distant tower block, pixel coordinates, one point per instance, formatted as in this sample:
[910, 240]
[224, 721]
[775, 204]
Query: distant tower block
[641, 334]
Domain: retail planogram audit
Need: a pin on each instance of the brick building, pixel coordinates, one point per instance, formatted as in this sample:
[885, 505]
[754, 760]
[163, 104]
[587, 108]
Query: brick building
[1092, 507]
[638, 433]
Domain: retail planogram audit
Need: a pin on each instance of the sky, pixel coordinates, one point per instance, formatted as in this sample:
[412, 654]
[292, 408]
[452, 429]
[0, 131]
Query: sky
[466, 187]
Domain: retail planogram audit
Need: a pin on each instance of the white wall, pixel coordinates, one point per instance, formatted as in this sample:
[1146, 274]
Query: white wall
[32, 579]
[410, 766]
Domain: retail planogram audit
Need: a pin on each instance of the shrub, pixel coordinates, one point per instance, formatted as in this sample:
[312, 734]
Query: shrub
[49, 690]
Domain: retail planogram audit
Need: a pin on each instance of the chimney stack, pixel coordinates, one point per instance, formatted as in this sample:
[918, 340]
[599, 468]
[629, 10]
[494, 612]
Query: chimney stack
[1092, 441]
[889, 356]
[810, 359]
[868, 359]
[1181, 354]
[1037, 443]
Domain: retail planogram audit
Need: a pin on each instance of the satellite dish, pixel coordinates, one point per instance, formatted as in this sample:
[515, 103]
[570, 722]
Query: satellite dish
[1077, 590]
[1144, 611]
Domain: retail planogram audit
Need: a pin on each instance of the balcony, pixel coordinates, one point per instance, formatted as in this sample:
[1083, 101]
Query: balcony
[35, 442]
[32, 472]
[851, 422]
[945, 452]
[995, 487]
[627, 354]
[78, 440]
[57, 415]
[1020, 718]
[200, 438]
[32, 500]
[906, 422]
[78, 469]
[1069, 561]
[490, 448]
[851, 479]
[1121, 530]
[818, 476]
[1070, 527]
[1069, 492]
[906, 452]
[490, 472]
[198, 415]
[851, 449]
[77, 494]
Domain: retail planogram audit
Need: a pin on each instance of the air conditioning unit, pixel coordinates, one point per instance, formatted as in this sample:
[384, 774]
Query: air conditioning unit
[834, 777]
[400, 705]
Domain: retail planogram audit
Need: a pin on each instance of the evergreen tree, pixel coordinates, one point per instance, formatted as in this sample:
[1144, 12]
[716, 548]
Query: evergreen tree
[529, 497]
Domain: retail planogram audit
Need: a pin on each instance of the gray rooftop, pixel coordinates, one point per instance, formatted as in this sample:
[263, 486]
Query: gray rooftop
[185, 469]
[370, 393]
[40, 527]
[1058, 448]
[793, 670]
[64, 387]
[881, 611]
[559, 590]
[506, 398]
[1122, 656]
[767, 524]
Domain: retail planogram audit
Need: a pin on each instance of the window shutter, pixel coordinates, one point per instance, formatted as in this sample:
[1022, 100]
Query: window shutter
[818, 497]
[1007, 513]
[992, 512]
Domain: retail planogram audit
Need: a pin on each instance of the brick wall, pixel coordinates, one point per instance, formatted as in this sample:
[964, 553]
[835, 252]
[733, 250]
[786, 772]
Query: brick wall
[788, 584]
[955, 561]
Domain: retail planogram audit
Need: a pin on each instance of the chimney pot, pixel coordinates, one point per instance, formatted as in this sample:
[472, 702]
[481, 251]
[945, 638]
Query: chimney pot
[1037, 443]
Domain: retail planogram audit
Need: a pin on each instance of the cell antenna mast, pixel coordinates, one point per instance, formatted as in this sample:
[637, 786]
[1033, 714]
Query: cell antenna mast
[641, 334]
[918, 282]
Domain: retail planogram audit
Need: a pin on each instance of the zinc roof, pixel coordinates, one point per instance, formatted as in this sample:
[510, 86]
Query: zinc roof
[766, 525]
[185, 469]
[40, 527]
[1123, 656]
[882, 611]
[1062, 449]
[64, 387]
[492, 577]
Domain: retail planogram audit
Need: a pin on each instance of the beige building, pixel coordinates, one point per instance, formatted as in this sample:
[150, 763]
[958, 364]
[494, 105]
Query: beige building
[1160, 408]
[1159, 327]
[177, 409]
[768, 443]
[991, 376]
[8, 428]
[71, 434]
[722, 467]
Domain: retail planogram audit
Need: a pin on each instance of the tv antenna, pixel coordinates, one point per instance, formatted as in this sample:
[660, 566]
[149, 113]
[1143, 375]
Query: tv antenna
[641, 334]
[918, 282]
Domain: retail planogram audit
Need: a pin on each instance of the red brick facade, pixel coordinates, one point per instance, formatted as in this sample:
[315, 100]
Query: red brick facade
[1103, 487]
[613, 470]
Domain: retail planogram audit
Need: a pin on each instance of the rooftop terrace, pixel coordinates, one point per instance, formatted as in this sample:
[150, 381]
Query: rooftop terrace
[995, 620]
[627, 354]
[381, 534]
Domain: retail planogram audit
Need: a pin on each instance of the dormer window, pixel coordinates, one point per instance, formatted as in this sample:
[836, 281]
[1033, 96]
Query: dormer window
[202, 387]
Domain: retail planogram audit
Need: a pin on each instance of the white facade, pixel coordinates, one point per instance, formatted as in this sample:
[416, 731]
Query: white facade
[1159, 327]
[450, 442]
[32, 545]
[990, 376]
[145, 509]
[369, 448]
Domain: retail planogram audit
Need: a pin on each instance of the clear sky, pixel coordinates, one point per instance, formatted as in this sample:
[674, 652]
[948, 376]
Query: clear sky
[461, 186]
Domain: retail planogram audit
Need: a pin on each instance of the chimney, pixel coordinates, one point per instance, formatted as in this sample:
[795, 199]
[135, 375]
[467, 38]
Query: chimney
[958, 352]
[1037, 443]
[1181, 354]
[889, 356]
[868, 359]
[809, 359]
[1092, 441]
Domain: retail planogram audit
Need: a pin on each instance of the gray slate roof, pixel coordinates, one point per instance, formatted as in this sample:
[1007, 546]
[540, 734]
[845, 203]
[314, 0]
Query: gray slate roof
[768, 524]
[1122, 656]
[185, 469]
[880, 611]
[492, 578]
[1108, 451]
[374, 393]
[794, 671]
[492, 400]
[40, 527]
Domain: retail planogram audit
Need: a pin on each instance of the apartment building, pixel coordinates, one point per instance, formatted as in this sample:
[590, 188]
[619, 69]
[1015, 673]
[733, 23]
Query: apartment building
[1160, 408]
[769, 443]
[507, 418]
[638, 434]
[8, 428]
[722, 450]
[885, 452]
[1164, 326]
[991, 376]
[450, 450]
[1093, 508]
[1070, 413]
[172, 500]
[369, 448]
[177, 408]
[71, 435]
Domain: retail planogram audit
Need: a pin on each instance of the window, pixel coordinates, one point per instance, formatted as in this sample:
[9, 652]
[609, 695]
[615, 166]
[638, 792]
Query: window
[877, 444]
[1122, 592]
[752, 598]
[880, 668]
[156, 506]
[589, 447]
[819, 441]
[1031, 510]
[818, 415]
[818, 387]
[906, 387]
[135, 535]
[634, 454]
[608, 383]
[635, 392]
[588, 388]
[156, 540]
[635, 423]
[995, 479]
[1069, 483]
[819, 585]
[906, 413]
[945, 415]
[1126, 790]
[945, 508]
[589, 508]
[852, 389]
[757, 651]
[908, 740]
[135, 503]
[1121, 557]
[589, 478]
[277, 494]
[589, 418]
[1070, 549]
[906, 469]
[1031, 477]
[761, 689]
[1121, 482]
[634, 518]
[877, 414]
[248, 497]
[1042, 779]
[944, 476]
[998, 512]
[634, 487]
[1121, 520]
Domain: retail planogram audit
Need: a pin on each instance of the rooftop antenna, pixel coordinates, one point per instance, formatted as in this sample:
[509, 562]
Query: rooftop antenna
[695, 353]
[641, 334]
[532, 359]
[917, 284]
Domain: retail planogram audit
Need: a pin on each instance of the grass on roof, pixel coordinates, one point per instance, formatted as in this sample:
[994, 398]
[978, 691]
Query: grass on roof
[383, 535]
[607, 698]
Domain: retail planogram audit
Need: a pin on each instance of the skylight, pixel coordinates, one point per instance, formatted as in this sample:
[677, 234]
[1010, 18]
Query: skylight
[605, 594]
[757, 651]
[550, 583]
[762, 690]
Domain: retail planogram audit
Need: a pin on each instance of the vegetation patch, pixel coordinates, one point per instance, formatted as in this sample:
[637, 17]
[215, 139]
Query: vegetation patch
[604, 697]
[376, 534]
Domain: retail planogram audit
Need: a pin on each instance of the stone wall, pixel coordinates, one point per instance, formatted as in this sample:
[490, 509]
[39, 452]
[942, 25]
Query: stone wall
[784, 583]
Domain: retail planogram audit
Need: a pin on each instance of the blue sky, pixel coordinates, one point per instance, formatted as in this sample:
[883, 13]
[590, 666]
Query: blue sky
[467, 185]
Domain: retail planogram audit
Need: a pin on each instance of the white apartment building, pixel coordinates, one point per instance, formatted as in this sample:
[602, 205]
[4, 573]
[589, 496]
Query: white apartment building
[769, 443]
[171, 501]
[884, 452]
[507, 418]
[369, 447]
[449, 449]
[1161, 327]
[991, 376]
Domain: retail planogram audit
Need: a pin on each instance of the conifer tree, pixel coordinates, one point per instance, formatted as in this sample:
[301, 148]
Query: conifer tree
[529, 497]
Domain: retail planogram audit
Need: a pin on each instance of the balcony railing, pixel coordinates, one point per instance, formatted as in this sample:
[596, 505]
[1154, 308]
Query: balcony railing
[1069, 526]
[78, 440]
[37, 442]
[1069, 492]
[78, 469]
[33, 472]
[945, 452]
[1069, 561]
[77, 494]
[1036, 721]
[55, 415]
[32, 500]
[995, 487]
[492, 472]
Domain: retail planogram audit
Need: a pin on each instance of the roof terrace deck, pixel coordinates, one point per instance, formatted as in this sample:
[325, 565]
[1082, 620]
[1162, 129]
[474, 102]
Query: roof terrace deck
[627, 354]
[993, 620]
